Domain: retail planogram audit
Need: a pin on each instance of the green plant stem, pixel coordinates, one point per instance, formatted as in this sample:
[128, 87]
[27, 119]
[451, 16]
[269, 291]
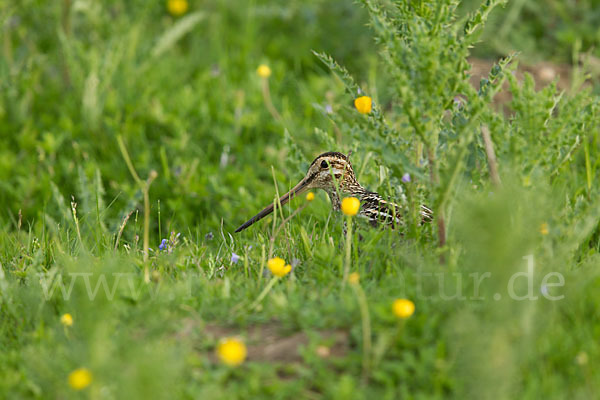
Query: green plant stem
[285, 221]
[268, 103]
[265, 291]
[145, 188]
[366, 329]
[74, 212]
[263, 261]
[348, 249]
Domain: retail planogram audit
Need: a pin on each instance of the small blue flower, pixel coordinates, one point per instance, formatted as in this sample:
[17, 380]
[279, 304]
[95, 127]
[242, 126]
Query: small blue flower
[406, 178]
[163, 244]
[234, 258]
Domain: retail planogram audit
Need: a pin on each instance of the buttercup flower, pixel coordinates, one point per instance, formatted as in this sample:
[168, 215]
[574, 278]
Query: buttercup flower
[310, 196]
[277, 267]
[232, 351]
[544, 229]
[350, 206]
[363, 104]
[263, 71]
[80, 378]
[66, 319]
[403, 308]
[353, 278]
[177, 7]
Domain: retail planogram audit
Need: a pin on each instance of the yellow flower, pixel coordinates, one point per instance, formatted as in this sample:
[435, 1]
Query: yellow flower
[310, 196]
[263, 71]
[350, 206]
[66, 319]
[353, 278]
[544, 230]
[177, 7]
[80, 378]
[363, 104]
[232, 351]
[278, 267]
[403, 308]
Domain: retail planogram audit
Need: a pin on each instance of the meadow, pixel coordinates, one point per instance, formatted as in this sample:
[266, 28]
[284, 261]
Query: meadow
[137, 136]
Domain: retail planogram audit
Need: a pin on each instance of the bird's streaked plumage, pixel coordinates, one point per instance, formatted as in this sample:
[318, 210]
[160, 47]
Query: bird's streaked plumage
[333, 172]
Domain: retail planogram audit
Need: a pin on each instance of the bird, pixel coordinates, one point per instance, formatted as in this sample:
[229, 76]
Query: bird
[333, 172]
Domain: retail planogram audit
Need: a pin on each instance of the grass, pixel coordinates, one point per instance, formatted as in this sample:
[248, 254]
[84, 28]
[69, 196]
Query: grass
[123, 125]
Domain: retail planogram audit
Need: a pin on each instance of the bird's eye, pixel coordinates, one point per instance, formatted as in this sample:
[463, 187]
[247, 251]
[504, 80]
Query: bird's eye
[324, 164]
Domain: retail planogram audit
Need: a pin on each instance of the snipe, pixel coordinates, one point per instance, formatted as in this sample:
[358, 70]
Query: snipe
[333, 172]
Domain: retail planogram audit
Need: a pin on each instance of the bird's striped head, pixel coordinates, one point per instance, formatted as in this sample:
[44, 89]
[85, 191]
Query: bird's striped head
[331, 169]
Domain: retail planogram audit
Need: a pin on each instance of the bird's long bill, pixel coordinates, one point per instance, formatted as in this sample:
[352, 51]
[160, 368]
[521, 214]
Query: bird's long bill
[296, 190]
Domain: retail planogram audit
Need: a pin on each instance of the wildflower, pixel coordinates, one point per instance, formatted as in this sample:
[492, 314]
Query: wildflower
[66, 319]
[353, 278]
[403, 308]
[263, 71]
[350, 206]
[329, 109]
[80, 378]
[363, 104]
[277, 267]
[209, 236]
[232, 351]
[406, 178]
[544, 230]
[177, 7]
[310, 196]
[163, 244]
[234, 258]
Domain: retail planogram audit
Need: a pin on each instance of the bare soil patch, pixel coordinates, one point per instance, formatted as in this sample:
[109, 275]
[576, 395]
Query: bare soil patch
[272, 343]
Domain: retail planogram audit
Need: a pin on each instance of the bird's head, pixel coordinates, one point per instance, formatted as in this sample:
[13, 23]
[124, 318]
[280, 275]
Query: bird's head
[328, 170]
